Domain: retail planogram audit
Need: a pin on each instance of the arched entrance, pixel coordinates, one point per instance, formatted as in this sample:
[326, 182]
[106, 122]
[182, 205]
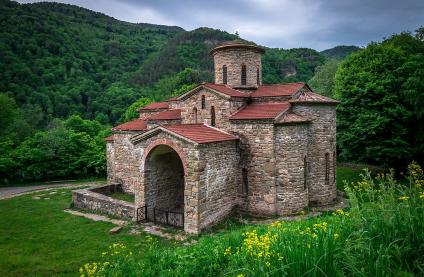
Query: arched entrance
[164, 186]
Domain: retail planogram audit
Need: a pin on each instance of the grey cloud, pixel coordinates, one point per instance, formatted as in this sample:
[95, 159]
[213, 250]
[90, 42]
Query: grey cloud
[318, 24]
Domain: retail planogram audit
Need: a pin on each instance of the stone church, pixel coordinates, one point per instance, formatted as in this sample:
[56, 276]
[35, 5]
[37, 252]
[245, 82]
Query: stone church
[231, 144]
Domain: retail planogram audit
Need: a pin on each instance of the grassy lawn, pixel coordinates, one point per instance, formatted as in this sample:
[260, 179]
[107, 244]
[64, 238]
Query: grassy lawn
[123, 196]
[37, 238]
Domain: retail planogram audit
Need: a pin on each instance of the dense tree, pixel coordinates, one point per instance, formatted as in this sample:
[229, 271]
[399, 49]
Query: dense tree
[323, 79]
[380, 118]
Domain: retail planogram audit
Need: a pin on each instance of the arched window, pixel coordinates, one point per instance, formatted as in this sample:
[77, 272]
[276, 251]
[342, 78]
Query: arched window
[243, 75]
[212, 116]
[327, 169]
[257, 76]
[195, 114]
[203, 102]
[224, 74]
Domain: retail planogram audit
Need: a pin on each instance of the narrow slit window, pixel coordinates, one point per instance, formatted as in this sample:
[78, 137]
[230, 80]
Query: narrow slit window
[243, 75]
[334, 165]
[212, 116]
[195, 115]
[327, 168]
[245, 181]
[203, 102]
[257, 76]
[305, 172]
[224, 75]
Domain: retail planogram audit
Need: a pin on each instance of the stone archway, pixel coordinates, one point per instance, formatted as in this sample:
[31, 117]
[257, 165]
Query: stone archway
[164, 184]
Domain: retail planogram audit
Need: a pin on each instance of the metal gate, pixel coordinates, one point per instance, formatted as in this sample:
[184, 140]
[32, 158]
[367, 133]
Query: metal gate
[166, 217]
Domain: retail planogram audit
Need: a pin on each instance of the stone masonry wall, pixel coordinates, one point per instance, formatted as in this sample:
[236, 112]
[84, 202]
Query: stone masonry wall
[291, 148]
[223, 108]
[257, 152]
[144, 114]
[321, 141]
[94, 201]
[219, 181]
[121, 166]
[233, 59]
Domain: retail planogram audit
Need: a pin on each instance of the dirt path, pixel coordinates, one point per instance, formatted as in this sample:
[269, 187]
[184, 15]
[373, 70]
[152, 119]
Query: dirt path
[10, 192]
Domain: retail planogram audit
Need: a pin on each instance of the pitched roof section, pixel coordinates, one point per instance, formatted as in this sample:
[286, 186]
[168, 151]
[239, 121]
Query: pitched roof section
[134, 125]
[311, 97]
[278, 90]
[200, 133]
[260, 111]
[155, 106]
[110, 138]
[226, 90]
[166, 115]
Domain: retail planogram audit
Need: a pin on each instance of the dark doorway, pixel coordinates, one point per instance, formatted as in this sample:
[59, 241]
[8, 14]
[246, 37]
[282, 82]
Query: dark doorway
[164, 186]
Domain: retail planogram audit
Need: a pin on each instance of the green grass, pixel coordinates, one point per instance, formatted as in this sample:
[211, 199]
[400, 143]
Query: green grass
[37, 238]
[347, 172]
[123, 196]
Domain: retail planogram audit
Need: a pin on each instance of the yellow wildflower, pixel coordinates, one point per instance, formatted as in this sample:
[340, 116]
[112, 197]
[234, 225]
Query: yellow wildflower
[404, 198]
[422, 195]
[227, 251]
[336, 236]
[240, 275]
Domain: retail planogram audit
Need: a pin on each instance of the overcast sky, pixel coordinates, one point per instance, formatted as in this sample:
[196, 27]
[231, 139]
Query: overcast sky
[317, 24]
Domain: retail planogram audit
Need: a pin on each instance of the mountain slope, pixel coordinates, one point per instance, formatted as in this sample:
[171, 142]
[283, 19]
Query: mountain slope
[57, 60]
[340, 52]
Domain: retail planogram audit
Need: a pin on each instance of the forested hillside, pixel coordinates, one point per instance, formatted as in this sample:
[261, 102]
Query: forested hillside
[59, 60]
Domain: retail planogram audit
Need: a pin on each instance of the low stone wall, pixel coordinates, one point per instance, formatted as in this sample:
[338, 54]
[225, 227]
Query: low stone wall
[95, 200]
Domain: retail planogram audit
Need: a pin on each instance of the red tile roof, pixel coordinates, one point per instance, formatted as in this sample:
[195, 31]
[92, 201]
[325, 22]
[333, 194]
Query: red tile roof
[166, 115]
[155, 106]
[200, 133]
[260, 111]
[110, 138]
[134, 125]
[226, 90]
[277, 90]
[312, 97]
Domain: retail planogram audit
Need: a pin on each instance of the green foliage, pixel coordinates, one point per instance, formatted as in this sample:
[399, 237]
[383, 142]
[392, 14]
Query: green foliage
[187, 49]
[380, 116]
[381, 235]
[293, 65]
[132, 110]
[323, 79]
[164, 89]
[73, 148]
